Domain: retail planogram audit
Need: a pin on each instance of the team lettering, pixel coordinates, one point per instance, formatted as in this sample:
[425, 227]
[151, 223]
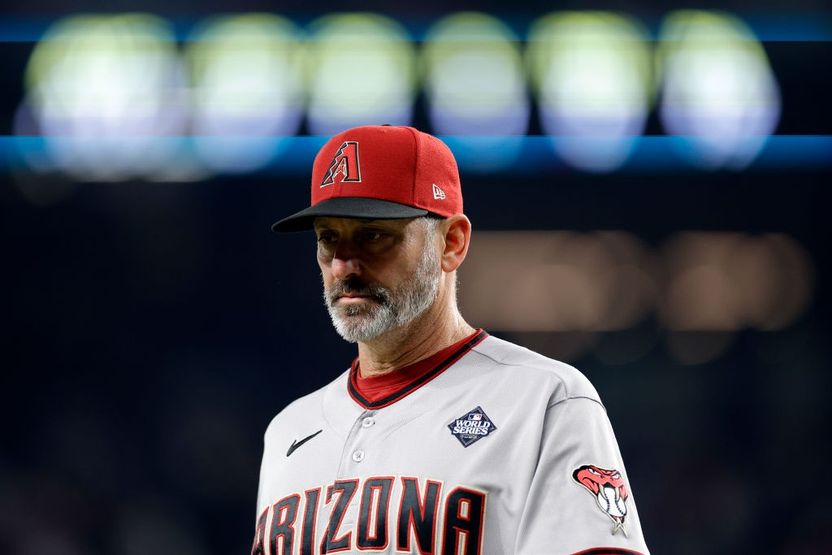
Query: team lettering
[423, 519]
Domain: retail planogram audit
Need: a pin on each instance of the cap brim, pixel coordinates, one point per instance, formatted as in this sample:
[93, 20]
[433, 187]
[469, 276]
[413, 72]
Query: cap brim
[347, 207]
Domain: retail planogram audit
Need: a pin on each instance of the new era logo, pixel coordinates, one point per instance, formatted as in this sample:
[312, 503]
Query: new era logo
[438, 194]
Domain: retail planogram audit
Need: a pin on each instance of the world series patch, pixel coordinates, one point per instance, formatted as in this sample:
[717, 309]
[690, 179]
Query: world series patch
[471, 426]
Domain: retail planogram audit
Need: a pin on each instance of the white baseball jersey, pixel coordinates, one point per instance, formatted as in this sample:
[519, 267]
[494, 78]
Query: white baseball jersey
[496, 450]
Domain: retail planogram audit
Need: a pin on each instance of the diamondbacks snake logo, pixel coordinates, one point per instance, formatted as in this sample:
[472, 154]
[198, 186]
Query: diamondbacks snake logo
[609, 490]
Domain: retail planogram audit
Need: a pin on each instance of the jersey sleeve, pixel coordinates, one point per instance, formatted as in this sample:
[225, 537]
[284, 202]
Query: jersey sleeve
[579, 500]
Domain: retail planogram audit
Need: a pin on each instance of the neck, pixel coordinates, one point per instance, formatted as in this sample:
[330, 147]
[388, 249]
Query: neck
[440, 326]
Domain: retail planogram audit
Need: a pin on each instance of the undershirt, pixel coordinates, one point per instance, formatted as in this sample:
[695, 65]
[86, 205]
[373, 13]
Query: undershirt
[378, 387]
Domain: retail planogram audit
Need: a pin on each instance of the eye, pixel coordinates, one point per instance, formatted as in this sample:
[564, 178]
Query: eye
[372, 235]
[327, 238]
[375, 240]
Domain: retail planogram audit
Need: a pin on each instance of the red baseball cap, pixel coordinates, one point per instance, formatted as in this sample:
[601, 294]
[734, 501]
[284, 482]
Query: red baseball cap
[380, 172]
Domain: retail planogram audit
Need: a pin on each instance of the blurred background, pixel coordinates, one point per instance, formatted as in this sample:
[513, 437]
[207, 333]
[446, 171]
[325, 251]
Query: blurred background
[648, 188]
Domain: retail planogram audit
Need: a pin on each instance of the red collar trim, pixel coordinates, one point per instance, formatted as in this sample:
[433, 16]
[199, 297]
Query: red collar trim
[421, 377]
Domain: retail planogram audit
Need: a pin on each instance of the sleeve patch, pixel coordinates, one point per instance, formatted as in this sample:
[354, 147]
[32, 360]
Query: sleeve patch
[610, 493]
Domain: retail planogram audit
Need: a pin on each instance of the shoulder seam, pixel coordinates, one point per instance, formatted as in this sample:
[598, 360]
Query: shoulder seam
[596, 401]
[500, 362]
[489, 357]
[553, 374]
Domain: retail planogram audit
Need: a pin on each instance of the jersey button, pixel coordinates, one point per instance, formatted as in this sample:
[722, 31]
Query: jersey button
[358, 455]
[367, 422]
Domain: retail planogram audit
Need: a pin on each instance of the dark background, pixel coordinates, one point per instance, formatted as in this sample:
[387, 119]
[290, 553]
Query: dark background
[154, 329]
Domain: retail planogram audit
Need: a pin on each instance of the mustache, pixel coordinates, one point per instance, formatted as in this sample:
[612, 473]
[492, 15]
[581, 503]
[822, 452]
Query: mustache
[355, 286]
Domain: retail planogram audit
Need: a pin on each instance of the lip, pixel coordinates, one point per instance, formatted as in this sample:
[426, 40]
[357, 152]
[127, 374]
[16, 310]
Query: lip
[352, 298]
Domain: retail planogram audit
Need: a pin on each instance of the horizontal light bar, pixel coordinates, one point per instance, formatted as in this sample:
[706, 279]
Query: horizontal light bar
[781, 26]
[536, 154]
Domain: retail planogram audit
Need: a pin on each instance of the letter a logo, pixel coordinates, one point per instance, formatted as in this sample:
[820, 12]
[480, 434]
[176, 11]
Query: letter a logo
[346, 163]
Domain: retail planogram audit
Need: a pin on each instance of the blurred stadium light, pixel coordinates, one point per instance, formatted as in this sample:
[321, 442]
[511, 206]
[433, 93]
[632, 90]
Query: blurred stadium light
[700, 285]
[474, 77]
[111, 98]
[570, 281]
[591, 73]
[717, 88]
[699, 292]
[247, 90]
[476, 86]
[102, 89]
[361, 70]
[729, 281]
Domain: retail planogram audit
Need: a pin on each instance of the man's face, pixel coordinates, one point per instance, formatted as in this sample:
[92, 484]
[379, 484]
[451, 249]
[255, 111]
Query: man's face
[378, 275]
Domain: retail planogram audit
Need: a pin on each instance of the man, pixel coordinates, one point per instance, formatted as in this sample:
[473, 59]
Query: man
[439, 438]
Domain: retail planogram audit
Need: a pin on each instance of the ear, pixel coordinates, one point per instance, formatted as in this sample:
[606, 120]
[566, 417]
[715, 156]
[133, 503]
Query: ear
[457, 237]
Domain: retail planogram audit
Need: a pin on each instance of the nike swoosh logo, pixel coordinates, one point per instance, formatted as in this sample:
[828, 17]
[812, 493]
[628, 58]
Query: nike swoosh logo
[296, 443]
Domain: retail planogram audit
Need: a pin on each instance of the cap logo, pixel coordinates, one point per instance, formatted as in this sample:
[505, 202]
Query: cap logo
[345, 162]
[438, 194]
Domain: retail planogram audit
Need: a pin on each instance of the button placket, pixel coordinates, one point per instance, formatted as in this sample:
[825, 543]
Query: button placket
[362, 424]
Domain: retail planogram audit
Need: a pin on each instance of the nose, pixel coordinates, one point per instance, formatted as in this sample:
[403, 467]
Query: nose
[345, 262]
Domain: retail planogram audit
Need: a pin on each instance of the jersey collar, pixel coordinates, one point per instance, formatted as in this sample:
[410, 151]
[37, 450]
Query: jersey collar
[437, 363]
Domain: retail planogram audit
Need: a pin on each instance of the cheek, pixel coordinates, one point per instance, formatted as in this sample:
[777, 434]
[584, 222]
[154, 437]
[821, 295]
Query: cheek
[322, 256]
[400, 274]
[326, 273]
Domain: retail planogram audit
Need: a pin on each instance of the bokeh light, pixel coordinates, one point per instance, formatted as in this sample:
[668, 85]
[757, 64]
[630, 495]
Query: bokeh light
[475, 85]
[591, 74]
[570, 281]
[360, 71]
[103, 89]
[699, 292]
[247, 89]
[779, 280]
[701, 286]
[474, 77]
[729, 281]
[718, 89]
[118, 98]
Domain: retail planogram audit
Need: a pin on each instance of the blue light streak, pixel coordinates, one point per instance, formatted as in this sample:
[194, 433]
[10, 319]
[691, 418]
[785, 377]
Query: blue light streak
[651, 154]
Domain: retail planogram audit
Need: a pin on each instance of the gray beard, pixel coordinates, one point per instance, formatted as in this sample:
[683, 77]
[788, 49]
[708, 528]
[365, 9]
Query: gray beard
[391, 309]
